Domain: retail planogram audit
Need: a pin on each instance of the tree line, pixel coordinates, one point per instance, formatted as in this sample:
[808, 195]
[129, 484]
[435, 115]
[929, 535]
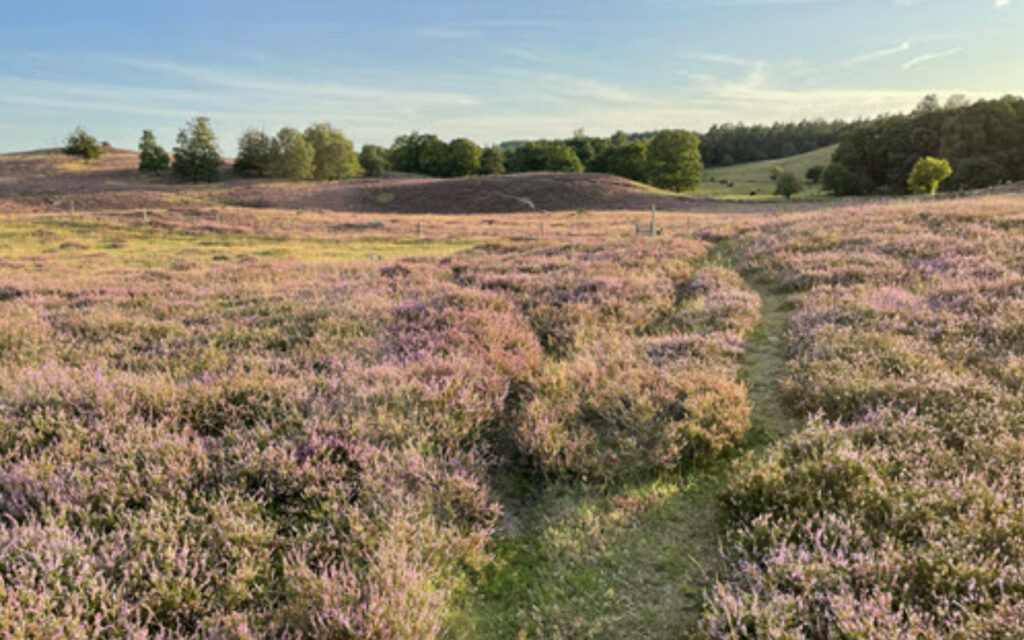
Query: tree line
[729, 144]
[668, 159]
[982, 141]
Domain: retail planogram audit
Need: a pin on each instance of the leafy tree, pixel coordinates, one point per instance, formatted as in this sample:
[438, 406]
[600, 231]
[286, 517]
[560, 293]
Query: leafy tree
[927, 173]
[839, 180]
[628, 160]
[334, 157]
[464, 157]
[543, 156]
[197, 156]
[977, 172]
[814, 174]
[788, 184]
[776, 171]
[433, 156]
[291, 155]
[374, 160]
[152, 157]
[80, 143]
[492, 161]
[404, 154]
[253, 153]
[673, 161]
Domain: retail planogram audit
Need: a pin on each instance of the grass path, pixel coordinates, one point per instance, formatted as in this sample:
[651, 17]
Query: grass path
[630, 561]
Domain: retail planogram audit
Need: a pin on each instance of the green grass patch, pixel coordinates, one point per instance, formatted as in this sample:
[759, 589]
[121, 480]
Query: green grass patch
[738, 181]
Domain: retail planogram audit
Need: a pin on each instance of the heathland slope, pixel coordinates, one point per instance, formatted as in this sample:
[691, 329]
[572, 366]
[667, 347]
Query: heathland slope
[47, 179]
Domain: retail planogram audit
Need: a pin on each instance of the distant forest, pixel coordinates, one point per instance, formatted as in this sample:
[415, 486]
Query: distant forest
[983, 141]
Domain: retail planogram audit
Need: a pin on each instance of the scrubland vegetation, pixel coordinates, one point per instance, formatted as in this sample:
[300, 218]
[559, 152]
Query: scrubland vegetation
[897, 511]
[242, 412]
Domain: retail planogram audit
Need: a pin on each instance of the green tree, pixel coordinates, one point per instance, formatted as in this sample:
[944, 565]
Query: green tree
[814, 174]
[80, 143]
[334, 156]
[374, 160]
[927, 173]
[291, 155]
[432, 158]
[253, 153]
[152, 157]
[628, 160]
[197, 156]
[492, 161]
[543, 156]
[673, 161]
[464, 157]
[788, 184]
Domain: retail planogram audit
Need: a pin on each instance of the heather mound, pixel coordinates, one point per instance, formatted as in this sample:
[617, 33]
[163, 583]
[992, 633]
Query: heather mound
[482, 194]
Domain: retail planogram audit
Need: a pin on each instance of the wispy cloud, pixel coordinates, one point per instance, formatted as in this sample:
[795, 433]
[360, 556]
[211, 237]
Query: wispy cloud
[913, 62]
[871, 56]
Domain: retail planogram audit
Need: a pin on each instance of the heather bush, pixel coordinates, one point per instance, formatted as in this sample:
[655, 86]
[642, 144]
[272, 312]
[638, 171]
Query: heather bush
[286, 448]
[897, 511]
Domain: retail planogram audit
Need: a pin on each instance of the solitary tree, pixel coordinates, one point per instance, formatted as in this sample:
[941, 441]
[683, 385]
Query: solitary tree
[492, 161]
[788, 184]
[673, 161]
[80, 143]
[291, 155]
[464, 157]
[152, 157]
[197, 156]
[253, 153]
[374, 160]
[927, 173]
[334, 157]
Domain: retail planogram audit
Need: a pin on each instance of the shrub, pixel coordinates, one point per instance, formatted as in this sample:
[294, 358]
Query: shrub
[788, 185]
[814, 174]
[197, 156]
[80, 143]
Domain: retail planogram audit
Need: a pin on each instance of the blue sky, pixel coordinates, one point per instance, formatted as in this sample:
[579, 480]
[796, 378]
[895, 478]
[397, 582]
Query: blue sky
[487, 70]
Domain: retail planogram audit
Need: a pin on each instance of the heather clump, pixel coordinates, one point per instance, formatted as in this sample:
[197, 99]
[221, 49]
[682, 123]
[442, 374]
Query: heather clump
[896, 512]
[289, 447]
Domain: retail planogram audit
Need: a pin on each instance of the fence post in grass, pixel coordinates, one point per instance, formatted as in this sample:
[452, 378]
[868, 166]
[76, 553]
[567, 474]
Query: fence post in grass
[72, 207]
[652, 220]
[542, 231]
[419, 229]
[145, 216]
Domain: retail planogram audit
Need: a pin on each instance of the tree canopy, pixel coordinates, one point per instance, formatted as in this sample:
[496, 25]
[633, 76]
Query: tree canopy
[334, 157]
[253, 153]
[986, 138]
[674, 162]
[152, 157]
[927, 173]
[464, 157]
[291, 155]
[374, 160]
[197, 155]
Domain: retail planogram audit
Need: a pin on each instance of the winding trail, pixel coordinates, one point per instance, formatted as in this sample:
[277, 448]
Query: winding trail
[575, 561]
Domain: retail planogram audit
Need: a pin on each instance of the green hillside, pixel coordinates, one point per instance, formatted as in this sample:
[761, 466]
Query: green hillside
[754, 178]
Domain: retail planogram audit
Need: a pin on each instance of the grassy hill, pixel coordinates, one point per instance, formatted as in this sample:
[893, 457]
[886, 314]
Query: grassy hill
[754, 178]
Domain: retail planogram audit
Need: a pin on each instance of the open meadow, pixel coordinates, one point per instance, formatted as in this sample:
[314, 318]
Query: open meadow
[771, 421]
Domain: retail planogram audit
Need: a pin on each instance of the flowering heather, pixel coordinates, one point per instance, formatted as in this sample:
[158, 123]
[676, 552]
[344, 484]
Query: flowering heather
[899, 511]
[255, 446]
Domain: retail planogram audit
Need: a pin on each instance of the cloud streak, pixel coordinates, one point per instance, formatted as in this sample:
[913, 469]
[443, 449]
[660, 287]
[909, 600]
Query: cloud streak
[928, 57]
